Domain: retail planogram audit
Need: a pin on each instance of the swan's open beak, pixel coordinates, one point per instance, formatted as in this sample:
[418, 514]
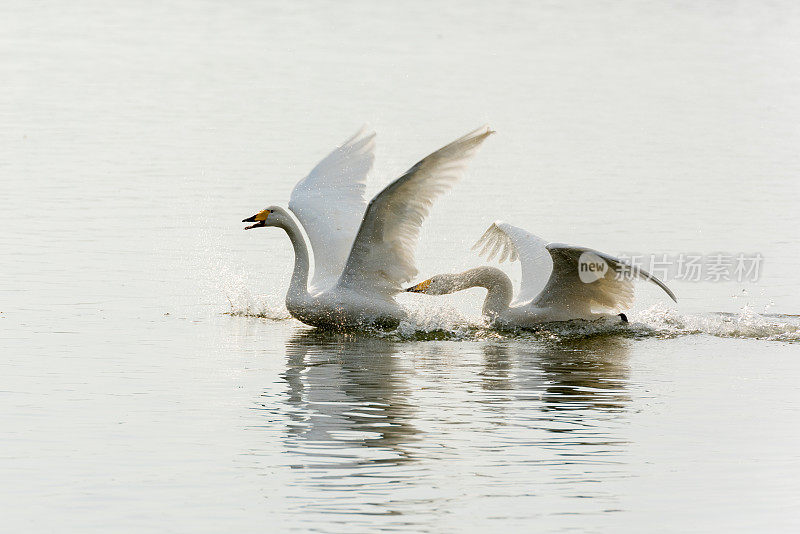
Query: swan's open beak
[419, 288]
[260, 219]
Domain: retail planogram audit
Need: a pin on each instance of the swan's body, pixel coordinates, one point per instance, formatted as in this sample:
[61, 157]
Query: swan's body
[362, 254]
[553, 288]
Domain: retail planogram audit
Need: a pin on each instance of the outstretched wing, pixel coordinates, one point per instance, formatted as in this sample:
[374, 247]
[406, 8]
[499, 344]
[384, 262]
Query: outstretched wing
[513, 243]
[613, 290]
[382, 257]
[330, 203]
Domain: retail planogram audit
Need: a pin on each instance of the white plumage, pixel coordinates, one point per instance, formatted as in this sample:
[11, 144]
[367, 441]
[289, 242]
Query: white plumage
[330, 203]
[551, 289]
[362, 257]
[382, 257]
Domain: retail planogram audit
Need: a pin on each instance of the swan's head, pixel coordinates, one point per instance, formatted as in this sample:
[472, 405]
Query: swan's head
[268, 217]
[441, 284]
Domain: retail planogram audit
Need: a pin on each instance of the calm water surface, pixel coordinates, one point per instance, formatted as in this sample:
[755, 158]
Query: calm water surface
[150, 379]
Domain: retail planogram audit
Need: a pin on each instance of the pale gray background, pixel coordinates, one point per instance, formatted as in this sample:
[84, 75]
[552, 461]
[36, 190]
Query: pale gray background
[136, 135]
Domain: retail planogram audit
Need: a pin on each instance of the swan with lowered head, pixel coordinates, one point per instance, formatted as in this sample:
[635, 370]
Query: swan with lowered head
[559, 282]
[362, 253]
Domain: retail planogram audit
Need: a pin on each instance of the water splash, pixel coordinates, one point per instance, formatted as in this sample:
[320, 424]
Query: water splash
[235, 287]
[261, 310]
[426, 320]
[244, 304]
[429, 322]
[746, 324]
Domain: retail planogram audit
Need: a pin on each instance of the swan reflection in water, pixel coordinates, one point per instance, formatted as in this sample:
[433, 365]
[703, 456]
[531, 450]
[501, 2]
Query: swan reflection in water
[350, 394]
[372, 422]
[580, 388]
[352, 400]
[568, 374]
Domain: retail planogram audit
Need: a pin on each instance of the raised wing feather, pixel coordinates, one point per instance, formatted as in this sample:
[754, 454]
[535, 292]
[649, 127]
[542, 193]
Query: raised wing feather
[330, 203]
[382, 257]
[612, 291]
[513, 243]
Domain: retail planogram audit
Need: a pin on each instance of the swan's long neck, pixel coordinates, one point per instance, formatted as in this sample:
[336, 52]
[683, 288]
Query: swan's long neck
[500, 290]
[298, 287]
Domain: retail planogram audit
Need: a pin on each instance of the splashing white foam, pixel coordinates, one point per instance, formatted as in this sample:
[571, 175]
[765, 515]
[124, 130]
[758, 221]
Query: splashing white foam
[244, 303]
[431, 322]
[437, 320]
[261, 307]
[427, 320]
[235, 287]
[746, 324]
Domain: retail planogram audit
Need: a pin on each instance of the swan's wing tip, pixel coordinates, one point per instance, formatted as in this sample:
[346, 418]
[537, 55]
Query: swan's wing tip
[482, 240]
[485, 131]
[649, 277]
[496, 240]
[637, 272]
[667, 290]
[477, 135]
[659, 283]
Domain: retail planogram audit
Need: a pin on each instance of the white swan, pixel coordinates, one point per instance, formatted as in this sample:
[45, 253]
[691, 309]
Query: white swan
[362, 256]
[559, 282]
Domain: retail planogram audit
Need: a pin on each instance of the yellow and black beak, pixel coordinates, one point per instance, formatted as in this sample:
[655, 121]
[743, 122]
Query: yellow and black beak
[420, 288]
[260, 219]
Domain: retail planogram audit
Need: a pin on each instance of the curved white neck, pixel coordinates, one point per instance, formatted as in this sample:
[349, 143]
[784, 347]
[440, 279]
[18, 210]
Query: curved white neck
[500, 290]
[298, 287]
